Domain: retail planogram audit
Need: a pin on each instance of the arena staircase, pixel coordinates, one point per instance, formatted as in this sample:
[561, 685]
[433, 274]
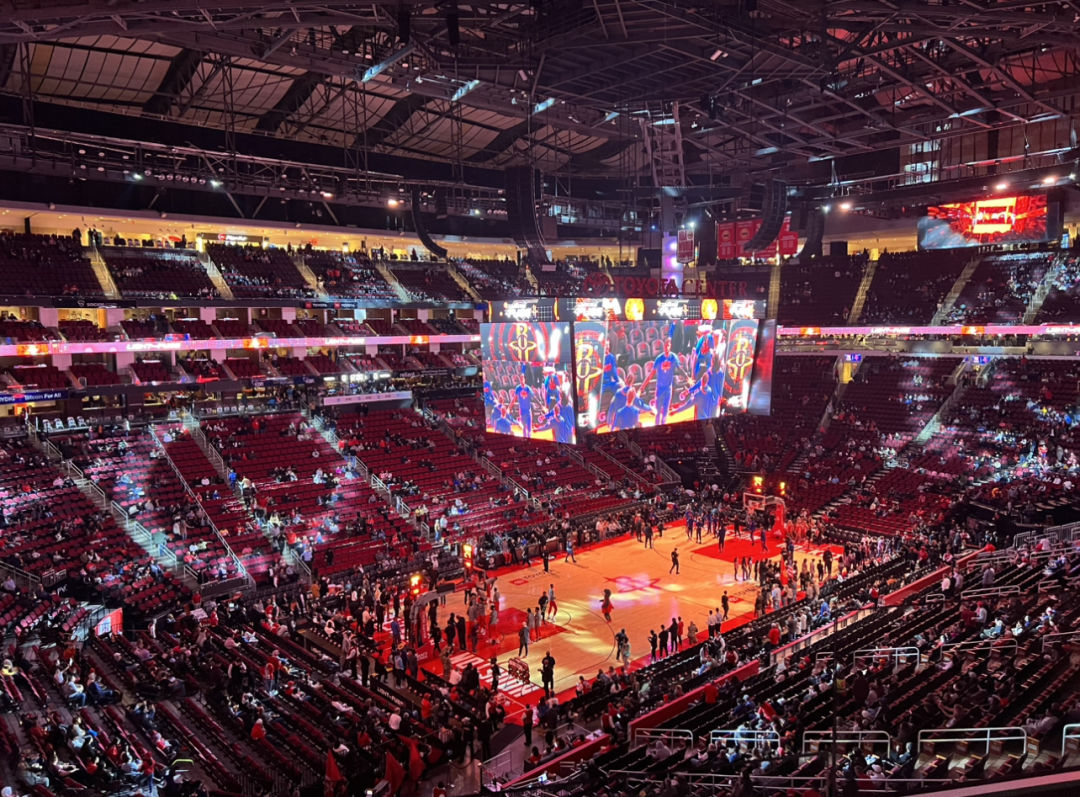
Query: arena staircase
[846, 497]
[775, 281]
[864, 290]
[949, 301]
[216, 277]
[826, 420]
[243, 581]
[463, 283]
[391, 280]
[932, 426]
[101, 271]
[1039, 297]
[725, 455]
[665, 470]
[309, 276]
[138, 533]
[199, 436]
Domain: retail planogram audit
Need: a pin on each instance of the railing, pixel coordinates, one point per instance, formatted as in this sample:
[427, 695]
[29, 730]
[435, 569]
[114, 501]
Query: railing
[249, 581]
[896, 654]
[642, 736]
[96, 494]
[744, 736]
[1067, 533]
[25, 581]
[1002, 643]
[199, 436]
[990, 592]
[1070, 731]
[972, 735]
[302, 568]
[813, 741]
[1055, 639]
[1051, 584]
[223, 586]
[812, 637]
[489, 466]
[144, 537]
[401, 507]
[379, 486]
[496, 768]
[709, 783]
[629, 473]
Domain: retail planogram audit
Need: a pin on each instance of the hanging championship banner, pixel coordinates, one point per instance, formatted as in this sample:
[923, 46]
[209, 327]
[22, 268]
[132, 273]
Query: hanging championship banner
[685, 253]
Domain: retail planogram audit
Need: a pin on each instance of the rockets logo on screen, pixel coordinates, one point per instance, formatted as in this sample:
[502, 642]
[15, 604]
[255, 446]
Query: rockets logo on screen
[740, 360]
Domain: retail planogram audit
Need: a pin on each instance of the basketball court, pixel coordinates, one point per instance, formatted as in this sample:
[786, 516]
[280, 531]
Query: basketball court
[645, 595]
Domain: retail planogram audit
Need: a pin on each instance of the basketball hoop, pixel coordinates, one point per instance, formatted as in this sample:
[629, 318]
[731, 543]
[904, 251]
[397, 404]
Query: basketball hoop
[755, 502]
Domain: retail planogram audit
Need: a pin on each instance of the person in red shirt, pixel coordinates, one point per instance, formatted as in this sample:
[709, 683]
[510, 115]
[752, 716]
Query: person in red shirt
[711, 692]
[774, 636]
[258, 732]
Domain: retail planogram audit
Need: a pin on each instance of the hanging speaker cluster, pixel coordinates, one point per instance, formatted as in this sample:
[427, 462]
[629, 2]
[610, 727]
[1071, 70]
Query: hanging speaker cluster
[773, 211]
[421, 227]
[404, 24]
[815, 231]
[521, 212]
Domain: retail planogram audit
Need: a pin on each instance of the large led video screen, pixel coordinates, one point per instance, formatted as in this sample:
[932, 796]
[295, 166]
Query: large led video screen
[636, 374]
[528, 388]
[1001, 220]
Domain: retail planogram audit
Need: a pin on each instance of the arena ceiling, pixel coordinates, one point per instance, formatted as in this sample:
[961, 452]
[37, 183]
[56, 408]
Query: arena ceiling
[568, 85]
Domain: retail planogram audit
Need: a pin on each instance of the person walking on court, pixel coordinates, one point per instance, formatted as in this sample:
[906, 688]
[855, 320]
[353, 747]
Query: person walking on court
[653, 642]
[674, 562]
[527, 724]
[648, 535]
[722, 533]
[495, 673]
[552, 606]
[725, 602]
[523, 640]
[605, 605]
[570, 551]
[547, 673]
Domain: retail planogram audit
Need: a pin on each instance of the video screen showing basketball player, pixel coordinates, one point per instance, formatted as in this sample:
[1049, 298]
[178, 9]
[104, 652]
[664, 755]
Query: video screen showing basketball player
[638, 374]
[527, 380]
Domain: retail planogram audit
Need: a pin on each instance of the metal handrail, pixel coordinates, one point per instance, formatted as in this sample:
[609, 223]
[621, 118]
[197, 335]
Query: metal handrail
[744, 736]
[991, 592]
[241, 570]
[818, 738]
[642, 736]
[976, 644]
[144, 537]
[979, 735]
[898, 654]
[1061, 636]
[1070, 731]
[24, 580]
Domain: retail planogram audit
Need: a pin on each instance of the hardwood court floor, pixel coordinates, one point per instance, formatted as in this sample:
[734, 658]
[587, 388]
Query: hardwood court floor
[644, 595]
